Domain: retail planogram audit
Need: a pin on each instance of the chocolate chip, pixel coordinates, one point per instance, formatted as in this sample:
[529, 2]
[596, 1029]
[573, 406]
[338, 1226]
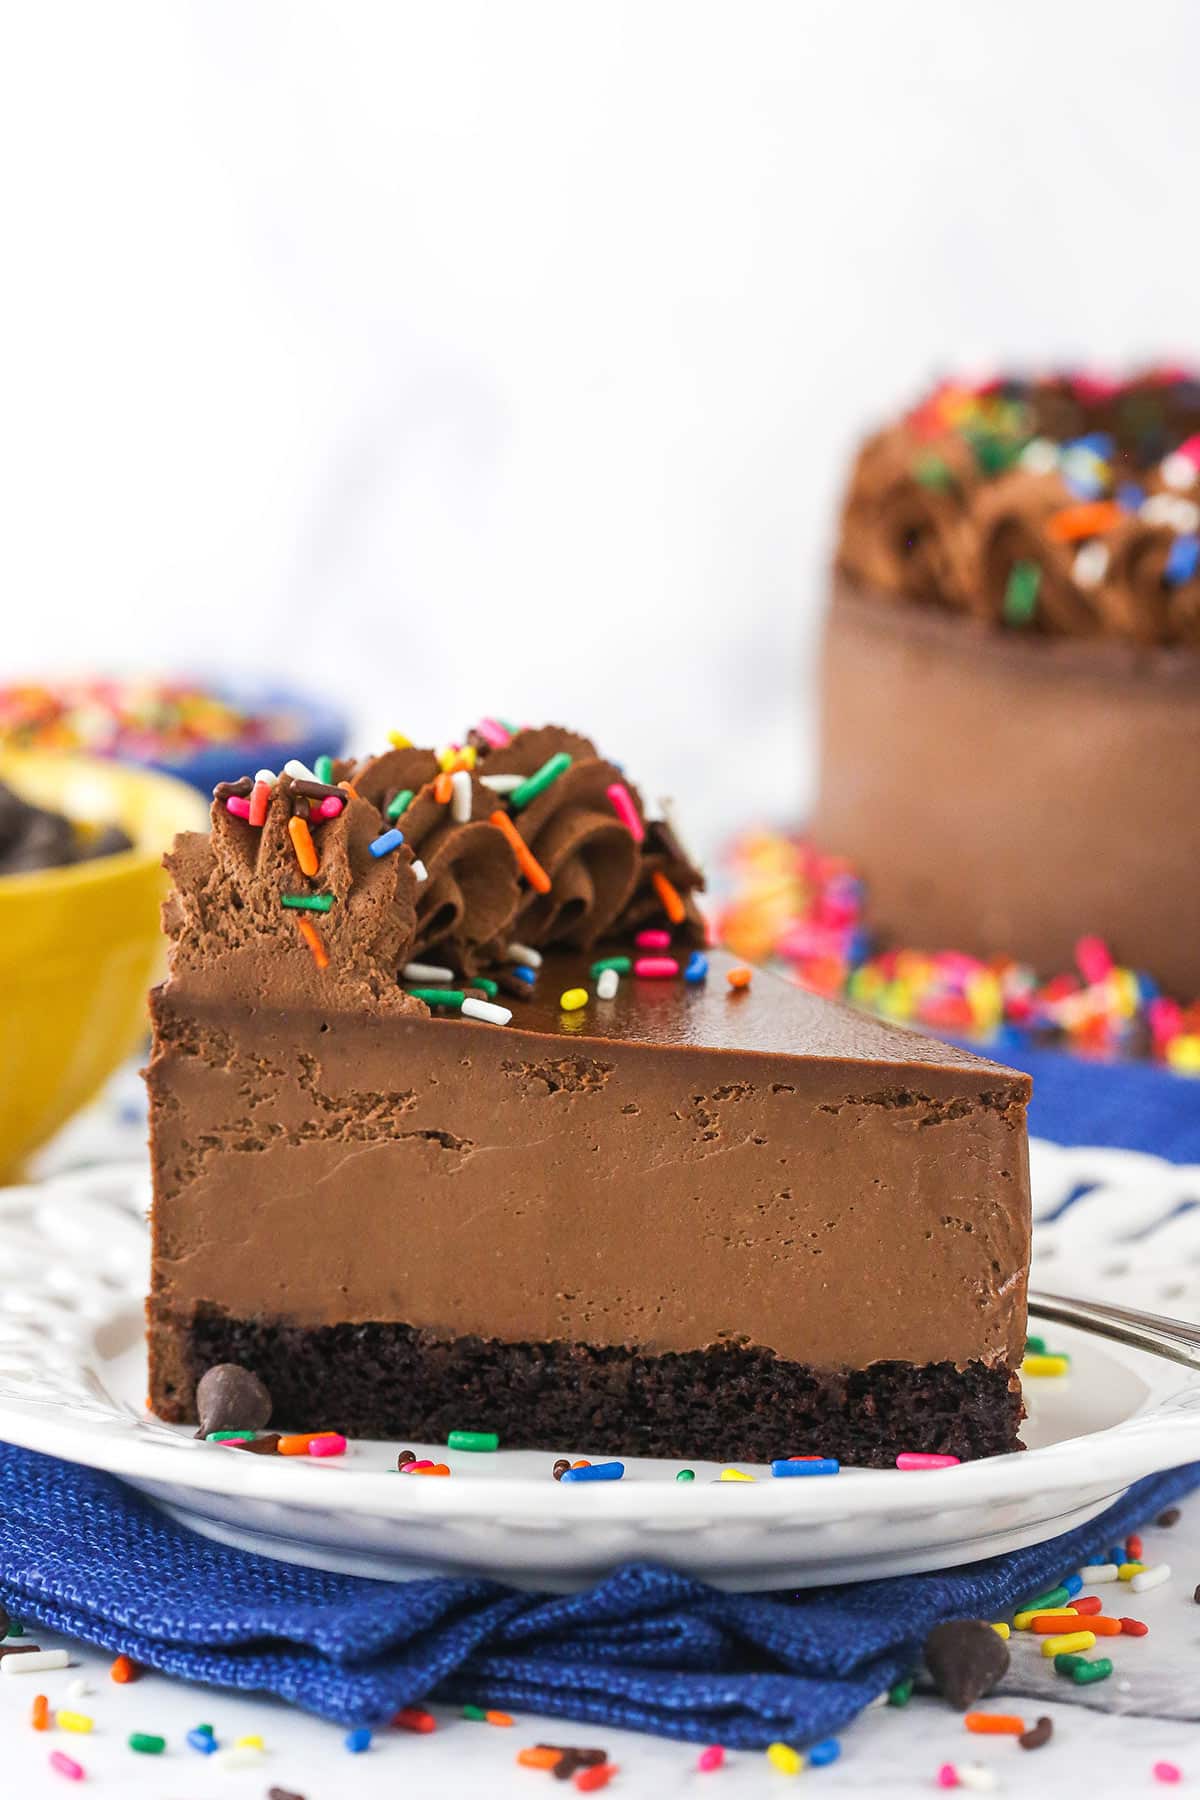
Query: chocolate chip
[1171, 1517]
[278, 1793]
[1041, 1734]
[405, 1457]
[560, 1468]
[571, 1757]
[966, 1659]
[230, 1398]
[267, 1445]
[17, 1649]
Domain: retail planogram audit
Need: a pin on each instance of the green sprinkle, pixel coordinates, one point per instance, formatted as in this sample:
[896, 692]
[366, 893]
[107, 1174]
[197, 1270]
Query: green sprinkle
[323, 769]
[900, 1692]
[933, 472]
[994, 453]
[686, 1475]
[147, 1743]
[473, 1440]
[223, 1437]
[537, 784]
[309, 902]
[15, 1628]
[622, 964]
[439, 996]
[474, 1712]
[1020, 595]
[1035, 1346]
[1056, 1597]
[401, 803]
[1067, 1664]
[1085, 1672]
[490, 988]
[207, 1730]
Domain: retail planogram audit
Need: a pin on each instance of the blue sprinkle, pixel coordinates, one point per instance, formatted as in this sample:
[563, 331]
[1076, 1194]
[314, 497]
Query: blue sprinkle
[1147, 986]
[609, 1471]
[203, 1741]
[822, 1754]
[1073, 1583]
[1182, 559]
[523, 972]
[1116, 1554]
[1131, 495]
[358, 1741]
[821, 1465]
[391, 840]
[1099, 443]
[1083, 487]
[697, 967]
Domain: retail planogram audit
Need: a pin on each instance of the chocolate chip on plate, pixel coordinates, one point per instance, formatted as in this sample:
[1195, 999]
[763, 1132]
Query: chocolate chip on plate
[230, 1398]
[966, 1659]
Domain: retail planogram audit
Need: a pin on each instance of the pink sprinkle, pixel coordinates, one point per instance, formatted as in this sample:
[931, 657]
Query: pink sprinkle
[653, 940]
[921, 1459]
[237, 806]
[329, 807]
[626, 811]
[427, 1464]
[494, 732]
[330, 1443]
[66, 1765]
[947, 1775]
[712, 1758]
[656, 968]
[1190, 448]
[1165, 1771]
[1094, 958]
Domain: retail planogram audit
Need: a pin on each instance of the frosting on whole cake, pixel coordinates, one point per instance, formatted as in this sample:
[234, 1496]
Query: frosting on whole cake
[1063, 506]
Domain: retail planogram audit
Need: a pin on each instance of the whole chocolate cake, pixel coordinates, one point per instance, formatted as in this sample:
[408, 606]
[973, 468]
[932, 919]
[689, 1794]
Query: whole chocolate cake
[456, 1123]
[1010, 738]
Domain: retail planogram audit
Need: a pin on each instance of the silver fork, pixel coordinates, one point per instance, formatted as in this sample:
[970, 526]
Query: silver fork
[1173, 1339]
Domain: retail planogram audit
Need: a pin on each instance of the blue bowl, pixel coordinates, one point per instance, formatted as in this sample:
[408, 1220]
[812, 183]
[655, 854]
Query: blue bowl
[315, 728]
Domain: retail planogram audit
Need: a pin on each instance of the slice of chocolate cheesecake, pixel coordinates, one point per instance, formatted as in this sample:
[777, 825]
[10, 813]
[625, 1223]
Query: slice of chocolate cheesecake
[681, 1221]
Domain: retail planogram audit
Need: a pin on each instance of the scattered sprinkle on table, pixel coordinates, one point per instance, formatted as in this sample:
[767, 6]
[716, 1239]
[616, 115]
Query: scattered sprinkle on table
[1039, 1735]
[710, 1759]
[739, 980]
[1167, 1771]
[66, 1765]
[30, 1664]
[357, 1741]
[414, 1718]
[147, 1743]
[994, 1724]
[473, 1440]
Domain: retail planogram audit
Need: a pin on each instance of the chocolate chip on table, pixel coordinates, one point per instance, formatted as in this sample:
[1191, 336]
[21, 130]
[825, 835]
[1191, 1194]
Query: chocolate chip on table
[966, 1659]
[1171, 1517]
[230, 1398]
[1039, 1734]
[560, 1468]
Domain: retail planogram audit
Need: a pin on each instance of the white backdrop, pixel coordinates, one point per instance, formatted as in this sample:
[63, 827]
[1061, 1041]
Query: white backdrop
[504, 356]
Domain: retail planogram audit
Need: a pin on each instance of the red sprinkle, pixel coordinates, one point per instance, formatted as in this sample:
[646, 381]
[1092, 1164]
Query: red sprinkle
[1087, 1605]
[124, 1670]
[588, 1780]
[414, 1718]
[1134, 1628]
[1133, 1547]
[712, 1758]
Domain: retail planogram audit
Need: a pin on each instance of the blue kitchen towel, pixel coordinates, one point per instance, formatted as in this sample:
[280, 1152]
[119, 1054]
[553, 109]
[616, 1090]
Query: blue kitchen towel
[647, 1648]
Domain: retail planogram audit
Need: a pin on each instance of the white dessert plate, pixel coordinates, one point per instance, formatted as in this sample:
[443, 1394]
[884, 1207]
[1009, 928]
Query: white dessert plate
[73, 1258]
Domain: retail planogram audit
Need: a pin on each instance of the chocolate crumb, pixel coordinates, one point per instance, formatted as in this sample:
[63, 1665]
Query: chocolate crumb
[267, 1445]
[559, 1470]
[278, 1793]
[17, 1649]
[1171, 1517]
[405, 1457]
[230, 1398]
[966, 1659]
[1041, 1734]
[1196, 1596]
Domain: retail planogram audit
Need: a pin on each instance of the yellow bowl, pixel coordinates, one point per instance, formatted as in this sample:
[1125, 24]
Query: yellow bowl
[80, 946]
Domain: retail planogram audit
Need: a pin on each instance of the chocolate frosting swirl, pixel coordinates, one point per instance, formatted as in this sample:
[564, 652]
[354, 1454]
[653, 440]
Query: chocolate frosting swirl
[230, 931]
[902, 527]
[467, 904]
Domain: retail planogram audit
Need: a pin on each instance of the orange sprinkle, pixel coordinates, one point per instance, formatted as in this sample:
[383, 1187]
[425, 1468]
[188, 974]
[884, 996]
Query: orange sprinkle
[583, 1464]
[436, 1469]
[738, 979]
[995, 1724]
[539, 1756]
[443, 787]
[498, 1718]
[312, 938]
[297, 1444]
[306, 850]
[1087, 520]
[124, 1670]
[527, 862]
[350, 789]
[40, 1719]
[668, 893]
[1104, 1627]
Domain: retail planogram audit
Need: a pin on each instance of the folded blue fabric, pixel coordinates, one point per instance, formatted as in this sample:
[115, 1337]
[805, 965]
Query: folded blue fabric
[647, 1648]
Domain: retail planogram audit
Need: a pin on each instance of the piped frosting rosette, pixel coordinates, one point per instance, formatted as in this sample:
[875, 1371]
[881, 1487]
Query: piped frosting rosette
[905, 514]
[469, 898]
[295, 909]
[1029, 534]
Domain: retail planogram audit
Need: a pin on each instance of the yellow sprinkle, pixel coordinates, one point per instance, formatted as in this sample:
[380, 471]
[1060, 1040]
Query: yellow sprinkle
[398, 741]
[73, 1721]
[1183, 1053]
[1127, 1571]
[251, 1742]
[573, 999]
[447, 756]
[783, 1757]
[1045, 1365]
[1068, 1640]
[1000, 1628]
[1024, 1620]
[739, 1475]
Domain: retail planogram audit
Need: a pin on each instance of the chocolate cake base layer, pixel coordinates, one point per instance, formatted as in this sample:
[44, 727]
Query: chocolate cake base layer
[726, 1403]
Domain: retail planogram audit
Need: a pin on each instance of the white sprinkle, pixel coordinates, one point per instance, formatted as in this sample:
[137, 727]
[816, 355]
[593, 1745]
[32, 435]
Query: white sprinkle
[502, 784]
[879, 1700]
[35, 1660]
[521, 953]
[419, 869]
[239, 1756]
[1149, 1578]
[298, 770]
[607, 983]
[1040, 457]
[1091, 564]
[79, 1690]
[1172, 510]
[460, 796]
[976, 1777]
[266, 775]
[1095, 1573]
[485, 1010]
[1178, 471]
[426, 972]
